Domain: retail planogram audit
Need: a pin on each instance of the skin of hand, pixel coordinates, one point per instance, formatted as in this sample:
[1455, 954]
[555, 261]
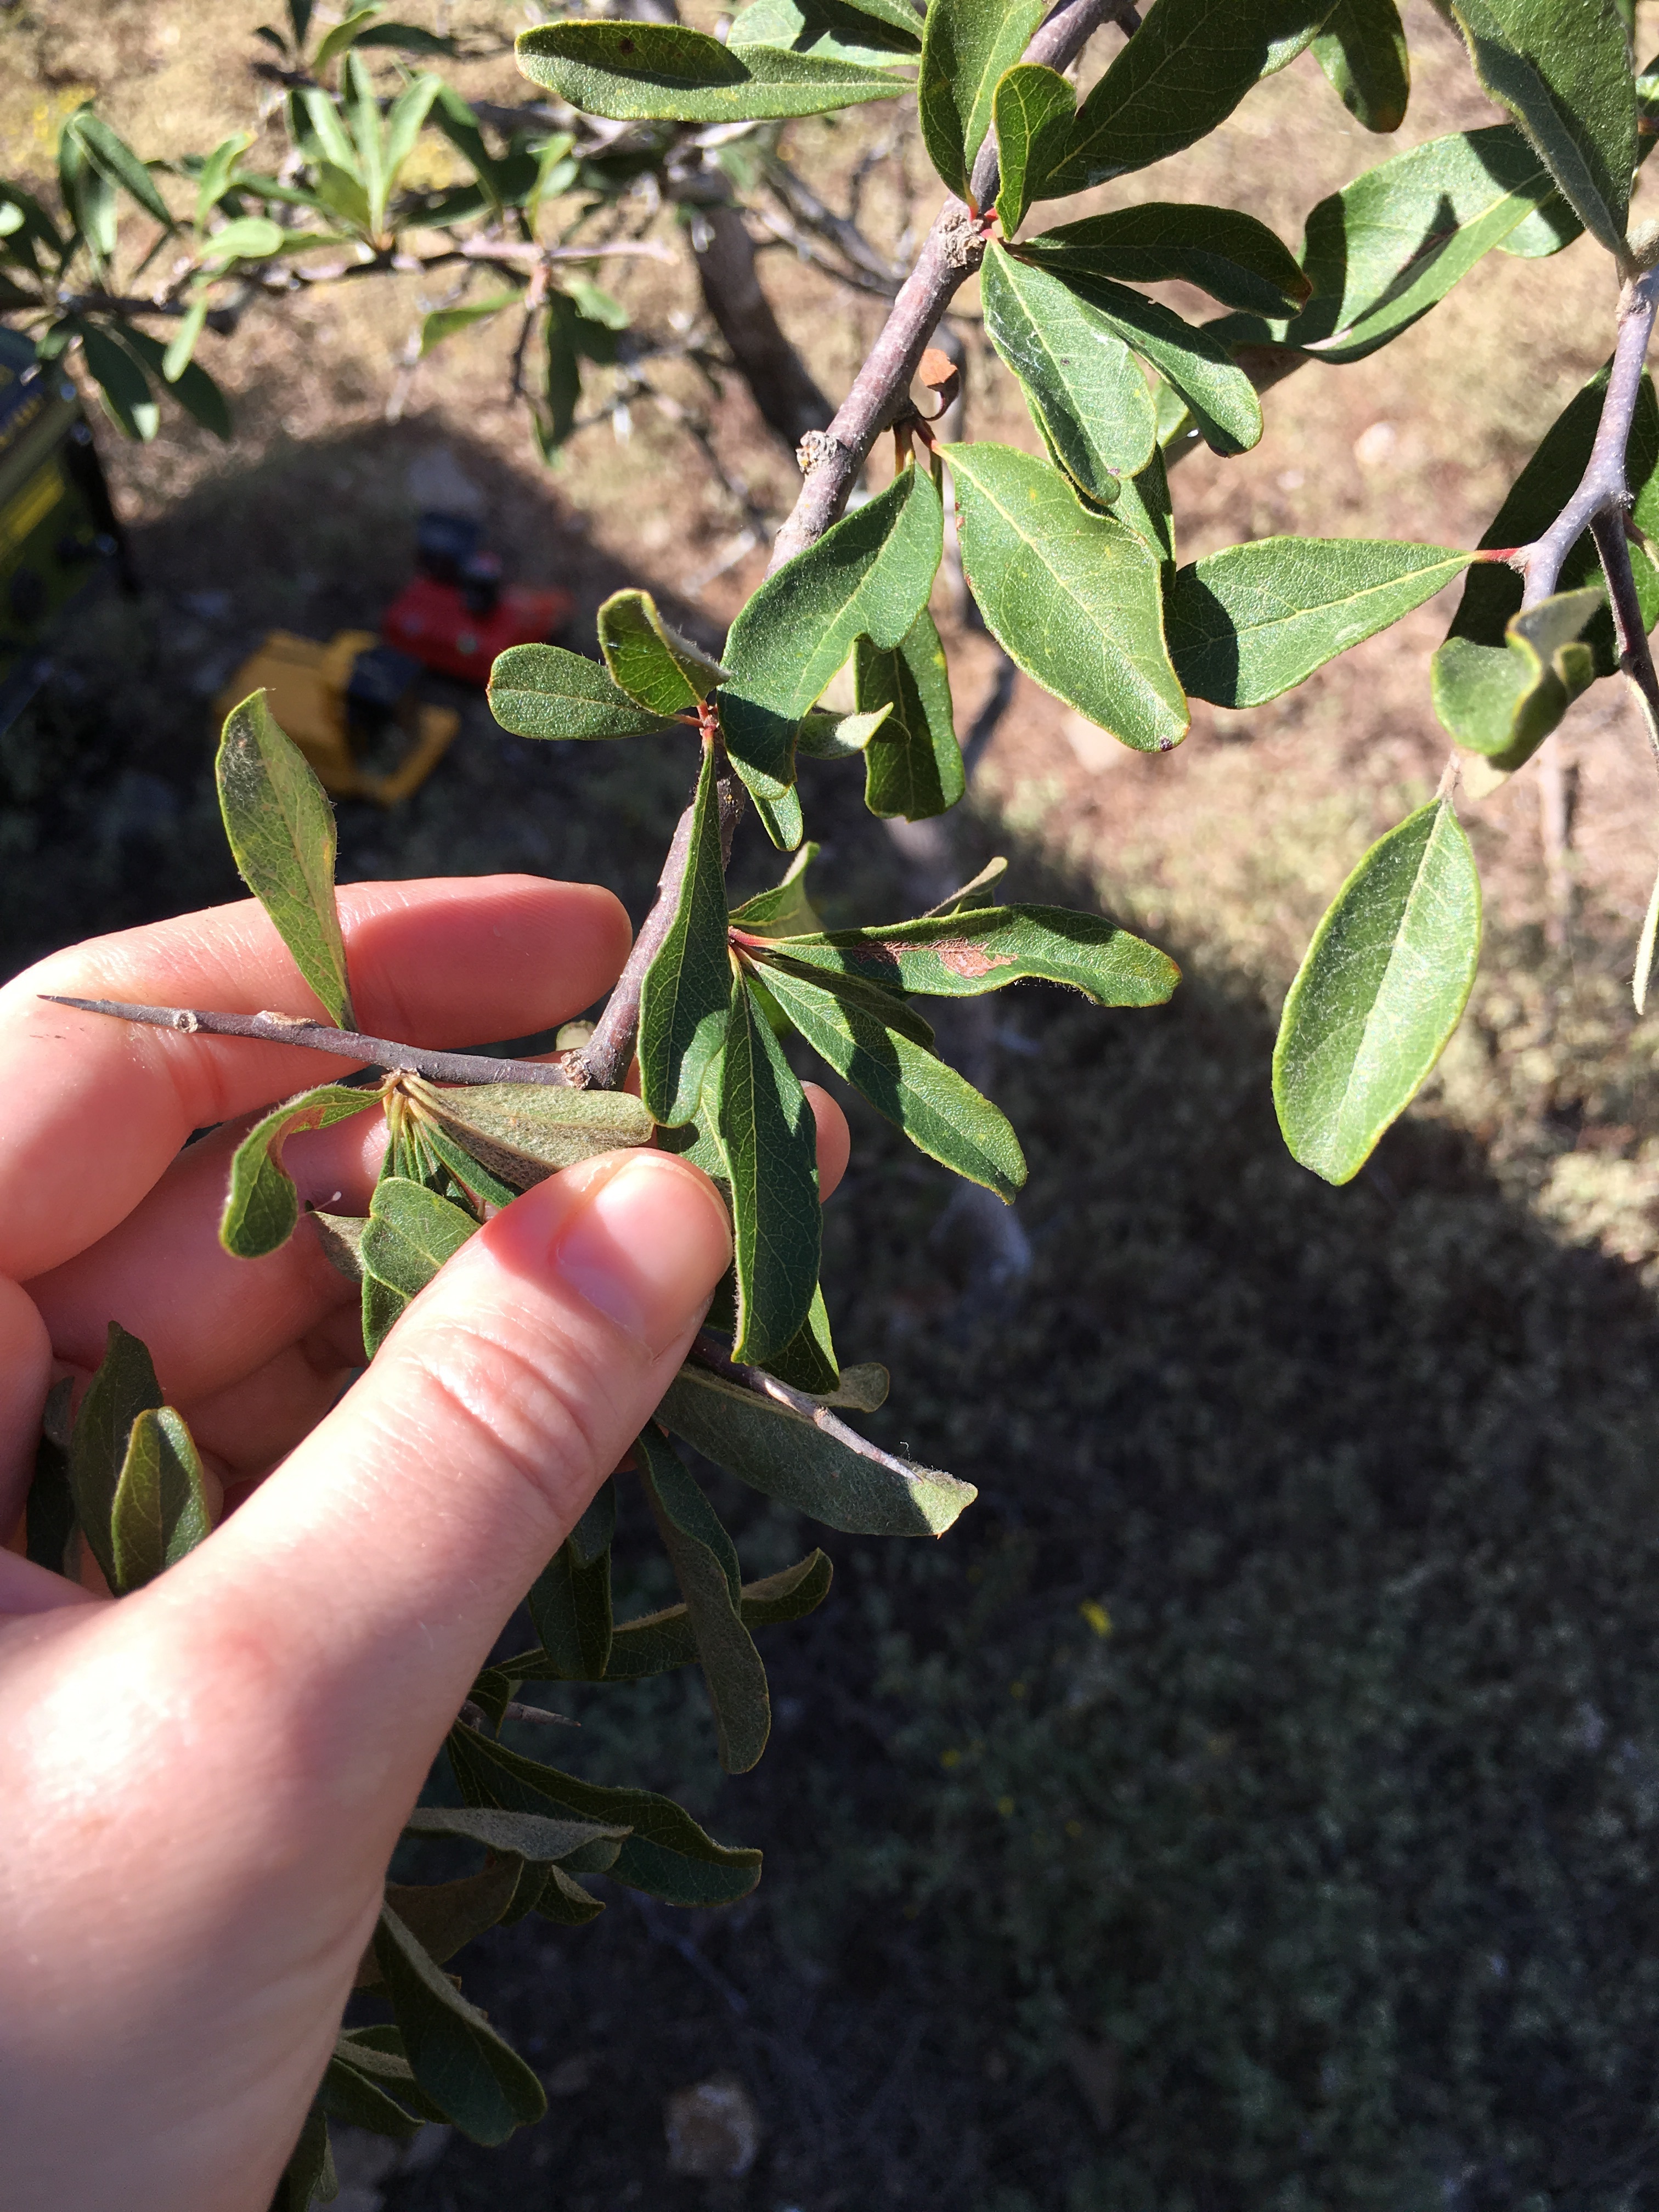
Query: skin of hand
[204, 1780]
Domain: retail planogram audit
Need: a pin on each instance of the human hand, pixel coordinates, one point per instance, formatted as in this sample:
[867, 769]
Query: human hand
[205, 1779]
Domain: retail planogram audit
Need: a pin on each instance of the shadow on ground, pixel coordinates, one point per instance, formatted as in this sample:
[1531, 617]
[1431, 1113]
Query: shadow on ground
[1254, 1802]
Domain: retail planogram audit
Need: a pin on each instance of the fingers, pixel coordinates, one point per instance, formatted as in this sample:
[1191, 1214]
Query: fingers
[439, 963]
[26, 1368]
[380, 1560]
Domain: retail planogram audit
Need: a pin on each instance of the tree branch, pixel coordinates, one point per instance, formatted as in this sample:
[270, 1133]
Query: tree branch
[1635, 655]
[317, 1037]
[952, 250]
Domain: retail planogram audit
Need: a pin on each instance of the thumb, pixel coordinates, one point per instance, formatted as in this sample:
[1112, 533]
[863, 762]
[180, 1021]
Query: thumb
[392, 1545]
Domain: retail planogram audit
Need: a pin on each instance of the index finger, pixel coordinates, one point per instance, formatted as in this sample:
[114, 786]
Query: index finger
[95, 1108]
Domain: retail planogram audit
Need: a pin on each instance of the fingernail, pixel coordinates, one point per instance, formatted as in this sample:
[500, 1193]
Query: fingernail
[646, 1250]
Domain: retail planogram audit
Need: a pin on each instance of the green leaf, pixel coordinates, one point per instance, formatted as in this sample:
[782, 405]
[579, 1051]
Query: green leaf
[570, 1606]
[542, 691]
[563, 388]
[1362, 50]
[159, 1510]
[809, 1460]
[404, 121]
[912, 763]
[444, 1916]
[958, 955]
[867, 36]
[309, 2177]
[666, 1855]
[443, 323]
[1143, 506]
[769, 1137]
[406, 38]
[706, 1568]
[262, 1207]
[878, 1001]
[341, 1235]
[1503, 701]
[1565, 74]
[787, 907]
[411, 1232]
[1493, 592]
[1234, 258]
[182, 344]
[1221, 398]
[1184, 71]
[1085, 391]
[343, 36]
[1032, 110]
[477, 2081]
[808, 1361]
[124, 386]
[1382, 988]
[123, 1387]
[1256, 619]
[115, 159]
[687, 990]
[938, 1111]
[661, 670]
[634, 71]
[194, 389]
[214, 181]
[656, 1643]
[535, 1836]
[966, 46]
[1072, 598]
[868, 576]
[249, 238]
[353, 2097]
[522, 1133]
[280, 828]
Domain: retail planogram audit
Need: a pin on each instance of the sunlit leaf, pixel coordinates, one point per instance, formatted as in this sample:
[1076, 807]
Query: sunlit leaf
[768, 1134]
[1033, 107]
[959, 955]
[1234, 258]
[633, 71]
[1362, 50]
[687, 990]
[785, 909]
[262, 1207]
[525, 1131]
[966, 48]
[411, 1232]
[123, 1387]
[1219, 395]
[661, 670]
[542, 691]
[869, 36]
[1503, 701]
[160, 1510]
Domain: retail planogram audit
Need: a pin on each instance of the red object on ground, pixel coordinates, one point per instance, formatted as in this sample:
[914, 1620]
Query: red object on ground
[433, 622]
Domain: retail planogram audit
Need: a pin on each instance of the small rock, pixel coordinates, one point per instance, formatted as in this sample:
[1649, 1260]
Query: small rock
[714, 2129]
[1372, 447]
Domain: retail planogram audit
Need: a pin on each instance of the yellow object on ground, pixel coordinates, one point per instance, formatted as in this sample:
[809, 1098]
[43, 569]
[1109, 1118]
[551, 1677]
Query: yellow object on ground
[307, 683]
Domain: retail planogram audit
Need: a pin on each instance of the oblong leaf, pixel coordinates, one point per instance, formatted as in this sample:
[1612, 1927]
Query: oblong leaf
[411, 1231]
[634, 71]
[1084, 386]
[706, 1568]
[1362, 50]
[262, 1207]
[966, 46]
[912, 761]
[570, 1606]
[443, 323]
[160, 1510]
[868, 576]
[526, 1132]
[280, 828]
[959, 955]
[768, 1134]
[194, 389]
[1232, 257]
[659, 669]
[1071, 597]
[476, 2079]
[686, 993]
[542, 691]
[124, 387]
[813, 1462]
[1219, 395]
[938, 1110]
[1256, 619]
[123, 1387]
[1032, 110]
[112, 155]
[537, 1835]
[1382, 988]
[869, 37]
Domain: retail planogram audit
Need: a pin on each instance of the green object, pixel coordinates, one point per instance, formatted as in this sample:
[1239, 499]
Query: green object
[687, 990]
[768, 1134]
[1382, 988]
[1032, 110]
[1362, 50]
[262, 1207]
[966, 46]
[522, 1133]
[160, 1510]
[1256, 619]
[1234, 258]
[478, 2081]
[869, 576]
[123, 1387]
[808, 1361]
[958, 956]
[659, 669]
[570, 1606]
[280, 828]
[411, 1232]
[635, 72]
[1219, 395]
[912, 762]
[656, 1643]
[542, 691]
[1503, 701]
[1073, 598]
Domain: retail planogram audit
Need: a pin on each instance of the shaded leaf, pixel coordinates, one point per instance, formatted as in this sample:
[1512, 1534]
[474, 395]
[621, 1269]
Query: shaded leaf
[706, 1568]
[522, 1133]
[768, 1134]
[542, 691]
[115, 159]
[48, 1516]
[808, 1361]
[1503, 701]
[809, 1460]
[1382, 988]
[687, 989]
[824, 736]
[262, 1207]
[958, 954]
[1033, 107]
[443, 323]
[1072, 598]
[194, 389]
[1362, 50]
[123, 1387]
[1255, 620]
[869, 576]
[1234, 258]
[537, 1835]
[160, 1510]
[1084, 387]
[966, 46]
[633, 71]
[787, 907]
[666, 1854]
[124, 386]
[444, 1916]
[976, 892]
[478, 2081]
[659, 1642]
[280, 828]
[663, 671]
[341, 1235]
[832, 30]
[309, 2176]
[353, 2097]
[570, 1606]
